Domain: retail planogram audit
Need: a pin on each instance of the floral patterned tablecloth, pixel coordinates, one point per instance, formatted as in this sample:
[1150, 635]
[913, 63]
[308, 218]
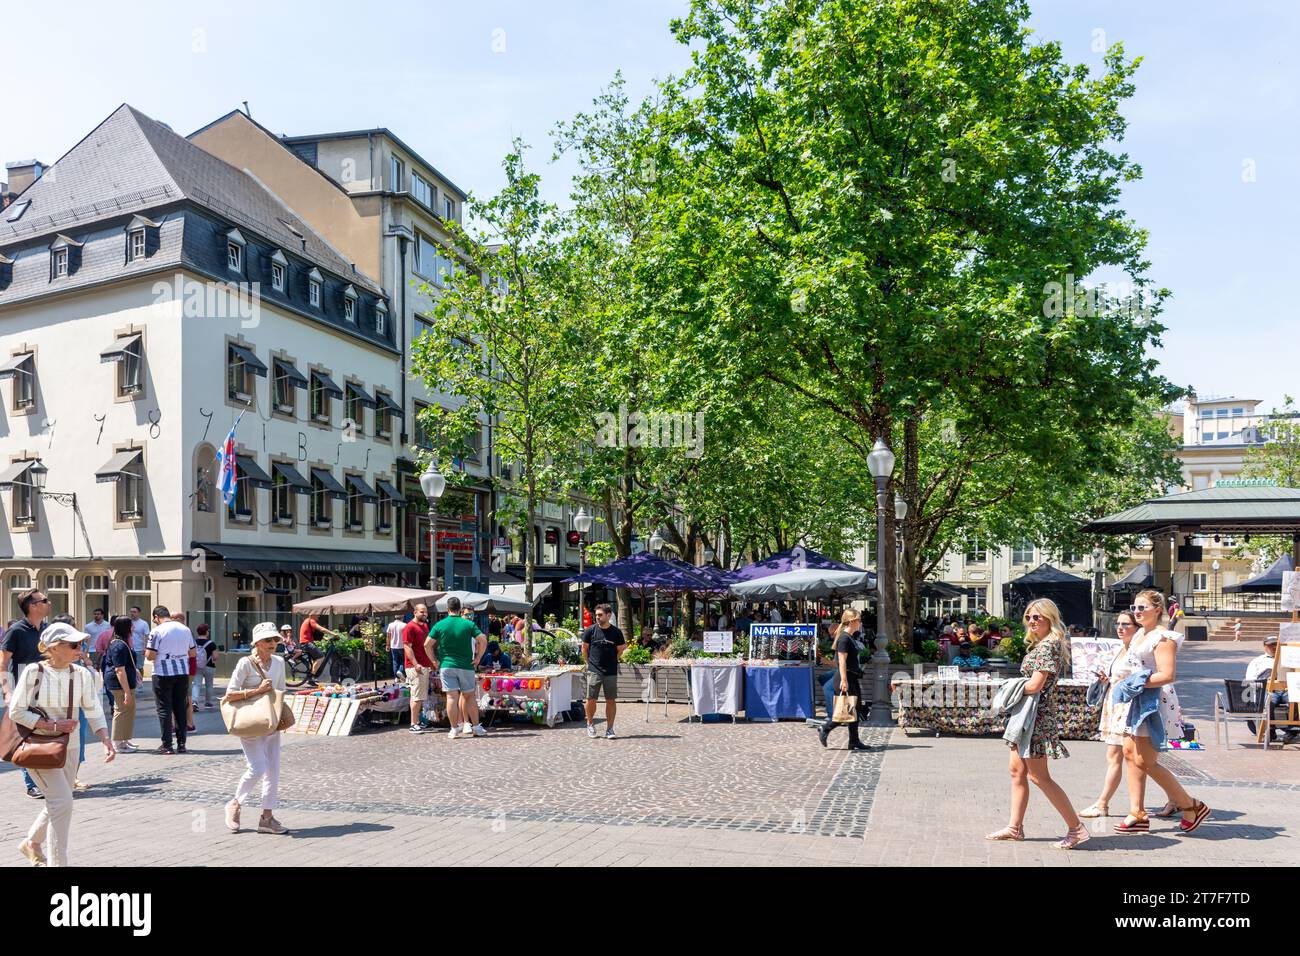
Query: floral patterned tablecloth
[961, 707]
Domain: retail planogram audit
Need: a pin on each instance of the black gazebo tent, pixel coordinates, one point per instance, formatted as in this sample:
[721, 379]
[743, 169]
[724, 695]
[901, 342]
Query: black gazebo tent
[1270, 582]
[1072, 595]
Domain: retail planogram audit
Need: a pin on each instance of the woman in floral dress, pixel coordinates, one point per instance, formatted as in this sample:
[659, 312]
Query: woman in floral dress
[1044, 663]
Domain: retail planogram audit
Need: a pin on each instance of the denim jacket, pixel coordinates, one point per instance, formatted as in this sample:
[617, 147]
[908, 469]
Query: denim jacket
[1021, 710]
[1144, 706]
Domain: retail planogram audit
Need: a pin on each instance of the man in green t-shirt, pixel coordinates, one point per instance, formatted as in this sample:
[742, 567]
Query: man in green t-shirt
[455, 644]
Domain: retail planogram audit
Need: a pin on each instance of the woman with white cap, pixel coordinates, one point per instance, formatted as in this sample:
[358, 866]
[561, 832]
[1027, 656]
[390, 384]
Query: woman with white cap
[261, 672]
[41, 704]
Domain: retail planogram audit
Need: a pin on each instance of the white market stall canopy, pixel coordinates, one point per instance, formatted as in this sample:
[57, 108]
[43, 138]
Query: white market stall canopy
[807, 583]
[492, 603]
[516, 591]
[370, 600]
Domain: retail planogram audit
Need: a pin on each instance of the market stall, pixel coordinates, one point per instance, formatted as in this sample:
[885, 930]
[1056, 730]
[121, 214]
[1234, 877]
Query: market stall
[962, 707]
[542, 696]
[336, 709]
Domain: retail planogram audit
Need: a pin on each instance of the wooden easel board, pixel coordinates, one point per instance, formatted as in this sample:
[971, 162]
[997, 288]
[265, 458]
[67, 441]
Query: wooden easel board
[331, 714]
[317, 714]
[1285, 662]
[295, 707]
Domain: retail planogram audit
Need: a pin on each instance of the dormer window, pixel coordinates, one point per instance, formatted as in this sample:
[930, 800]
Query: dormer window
[279, 268]
[137, 238]
[381, 318]
[313, 288]
[350, 304]
[65, 256]
[235, 250]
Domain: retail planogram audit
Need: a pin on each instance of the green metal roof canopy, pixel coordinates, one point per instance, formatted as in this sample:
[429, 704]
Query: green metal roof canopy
[1231, 506]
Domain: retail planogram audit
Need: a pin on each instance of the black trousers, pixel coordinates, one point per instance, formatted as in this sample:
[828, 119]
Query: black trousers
[854, 690]
[171, 698]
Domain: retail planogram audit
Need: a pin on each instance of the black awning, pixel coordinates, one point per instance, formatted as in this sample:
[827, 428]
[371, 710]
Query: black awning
[15, 473]
[117, 351]
[251, 362]
[328, 384]
[359, 487]
[15, 365]
[117, 465]
[386, 488]
[292, 476]
[251, 472]
[394, 409]
[326, 478]
[252, 558]
[286, 368]
[361, 395]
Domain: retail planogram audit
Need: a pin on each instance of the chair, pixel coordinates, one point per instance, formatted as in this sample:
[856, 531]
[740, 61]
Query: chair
[1245, 701]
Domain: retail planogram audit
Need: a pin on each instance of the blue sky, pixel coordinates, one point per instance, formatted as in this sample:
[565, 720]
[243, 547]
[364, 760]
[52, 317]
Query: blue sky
[1217, 98]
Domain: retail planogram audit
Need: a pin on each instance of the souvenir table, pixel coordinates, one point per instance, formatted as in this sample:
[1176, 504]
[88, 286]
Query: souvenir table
[961, 707]
[775, 690]
[717, 686]
[660, 666]
[542, 695]
[332, 710]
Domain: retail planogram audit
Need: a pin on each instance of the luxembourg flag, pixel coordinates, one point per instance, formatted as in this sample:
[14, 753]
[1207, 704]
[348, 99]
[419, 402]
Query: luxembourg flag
[226, 473]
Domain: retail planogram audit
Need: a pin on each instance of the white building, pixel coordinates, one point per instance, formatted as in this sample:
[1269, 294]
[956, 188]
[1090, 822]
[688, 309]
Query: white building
[149, 294]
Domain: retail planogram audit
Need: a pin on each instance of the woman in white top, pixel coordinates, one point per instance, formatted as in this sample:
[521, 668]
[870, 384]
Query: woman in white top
[1155, 649]
[1113, 715]
[261, 672]
[40, 703]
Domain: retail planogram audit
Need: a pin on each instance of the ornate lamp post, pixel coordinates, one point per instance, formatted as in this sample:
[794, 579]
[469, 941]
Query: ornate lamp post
[1214, 594]
[656, 545]
[1098, 578]
[881, 465]
[582, 524]
[433, 484]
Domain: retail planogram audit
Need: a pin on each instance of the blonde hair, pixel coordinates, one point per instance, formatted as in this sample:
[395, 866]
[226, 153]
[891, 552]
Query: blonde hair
[1047, 607]
[849, 615]
[1157, 601]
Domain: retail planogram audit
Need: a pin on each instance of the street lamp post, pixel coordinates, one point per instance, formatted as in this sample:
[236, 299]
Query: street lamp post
[433, 484]
[881, 465]
[1214, 594]
[582, 524]
[1098, 580]
[656, 543]
[37, 474]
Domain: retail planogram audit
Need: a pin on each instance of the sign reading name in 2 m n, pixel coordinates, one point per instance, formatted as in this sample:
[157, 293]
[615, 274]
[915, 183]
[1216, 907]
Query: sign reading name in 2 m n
[718, 642]
[772, 641]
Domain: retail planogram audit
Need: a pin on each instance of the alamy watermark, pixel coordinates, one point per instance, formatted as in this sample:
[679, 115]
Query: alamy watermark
[214, 300]
[1072, 297]
[651, 430]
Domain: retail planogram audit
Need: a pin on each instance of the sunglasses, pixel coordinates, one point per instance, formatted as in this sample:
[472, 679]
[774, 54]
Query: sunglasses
[1125, 624]
[1034, 618]
[1138, 608]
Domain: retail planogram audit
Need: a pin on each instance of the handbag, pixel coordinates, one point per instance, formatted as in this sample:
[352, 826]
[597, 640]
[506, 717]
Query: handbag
[25, 748]
[258, 716]
[846, 709]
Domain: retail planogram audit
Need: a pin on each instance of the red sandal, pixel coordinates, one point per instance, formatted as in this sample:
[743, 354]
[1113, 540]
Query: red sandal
[1202, 814]
[1139, 825]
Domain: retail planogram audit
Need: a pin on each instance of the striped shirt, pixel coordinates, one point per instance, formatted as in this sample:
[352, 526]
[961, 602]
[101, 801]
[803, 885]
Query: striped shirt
[53, 696]
[171, 641]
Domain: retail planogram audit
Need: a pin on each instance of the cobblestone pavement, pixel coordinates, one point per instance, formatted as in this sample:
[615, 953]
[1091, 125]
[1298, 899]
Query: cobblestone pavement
[666, 792]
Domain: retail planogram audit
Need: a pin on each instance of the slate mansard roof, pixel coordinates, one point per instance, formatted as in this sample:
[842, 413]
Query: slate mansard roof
[131, 166]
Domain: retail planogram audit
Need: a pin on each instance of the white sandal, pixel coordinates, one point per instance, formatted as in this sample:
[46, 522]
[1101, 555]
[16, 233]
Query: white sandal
[1096, 810]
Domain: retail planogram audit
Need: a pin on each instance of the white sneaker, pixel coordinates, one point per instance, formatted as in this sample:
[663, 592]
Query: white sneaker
[478, 731]
[467, 729]
[125, 747]
[591, 731]
[609, 734]
[451, 734]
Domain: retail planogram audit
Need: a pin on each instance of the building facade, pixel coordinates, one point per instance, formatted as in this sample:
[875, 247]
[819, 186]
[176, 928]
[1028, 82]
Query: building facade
[151, 297]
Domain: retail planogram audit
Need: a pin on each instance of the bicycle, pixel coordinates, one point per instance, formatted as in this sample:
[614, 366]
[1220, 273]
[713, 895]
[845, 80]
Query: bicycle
[335, 667]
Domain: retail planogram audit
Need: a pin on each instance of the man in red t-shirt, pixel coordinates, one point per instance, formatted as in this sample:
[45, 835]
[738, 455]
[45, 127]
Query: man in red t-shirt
[306, 643]
[418, 664]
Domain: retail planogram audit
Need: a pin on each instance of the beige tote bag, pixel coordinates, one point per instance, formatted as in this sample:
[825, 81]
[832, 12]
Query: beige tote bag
[258, 716]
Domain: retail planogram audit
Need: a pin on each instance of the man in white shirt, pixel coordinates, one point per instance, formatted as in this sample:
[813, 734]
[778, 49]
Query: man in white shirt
[101, 632]
[775, 616]
[170, 647]
[1261, 669]
[396, 650]
[139, 636]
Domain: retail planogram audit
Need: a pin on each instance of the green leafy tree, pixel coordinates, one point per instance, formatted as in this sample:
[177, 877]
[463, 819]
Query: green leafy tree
[1278, 460]
[502, 342]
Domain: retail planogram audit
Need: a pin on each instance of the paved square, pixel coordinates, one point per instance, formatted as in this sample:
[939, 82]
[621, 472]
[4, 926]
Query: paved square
[666, 792]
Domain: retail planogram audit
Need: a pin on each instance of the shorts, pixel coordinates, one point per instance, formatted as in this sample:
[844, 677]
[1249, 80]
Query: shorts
[596, 681]
[417, 678]
[458, 679]
[312, 651]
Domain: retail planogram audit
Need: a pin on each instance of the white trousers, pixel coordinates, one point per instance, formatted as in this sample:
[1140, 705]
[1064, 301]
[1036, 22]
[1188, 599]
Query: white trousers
[55, 818]
[263, 756]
